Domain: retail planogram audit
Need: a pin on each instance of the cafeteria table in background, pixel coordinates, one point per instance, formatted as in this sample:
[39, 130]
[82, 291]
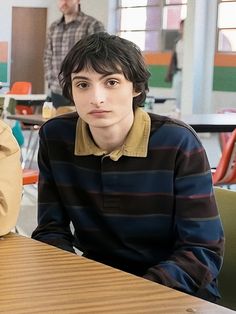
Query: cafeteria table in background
[213, 122]
[39, 278]
[31, 99]
[204, 122]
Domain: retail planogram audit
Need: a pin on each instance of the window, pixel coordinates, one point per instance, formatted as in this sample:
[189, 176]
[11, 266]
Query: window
[151, 24]
[227, 26]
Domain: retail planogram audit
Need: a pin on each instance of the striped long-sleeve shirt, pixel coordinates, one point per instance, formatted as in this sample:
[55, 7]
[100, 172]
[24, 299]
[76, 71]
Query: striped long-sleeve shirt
[153, 215]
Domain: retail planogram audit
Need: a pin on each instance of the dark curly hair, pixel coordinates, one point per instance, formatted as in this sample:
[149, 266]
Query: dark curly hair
[106, 54]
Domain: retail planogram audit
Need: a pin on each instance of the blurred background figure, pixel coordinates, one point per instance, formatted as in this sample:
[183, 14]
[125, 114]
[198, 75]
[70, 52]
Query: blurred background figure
[61, 36]
[174, 73]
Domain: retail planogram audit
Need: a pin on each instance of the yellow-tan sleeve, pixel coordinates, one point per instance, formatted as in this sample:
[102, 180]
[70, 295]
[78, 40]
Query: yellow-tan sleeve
[10, 179]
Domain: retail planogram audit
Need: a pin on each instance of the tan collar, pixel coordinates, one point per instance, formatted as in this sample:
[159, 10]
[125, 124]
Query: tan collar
[135, 145]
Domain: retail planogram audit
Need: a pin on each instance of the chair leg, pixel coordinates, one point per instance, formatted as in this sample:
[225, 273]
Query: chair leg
[34, 148]
[29, 140]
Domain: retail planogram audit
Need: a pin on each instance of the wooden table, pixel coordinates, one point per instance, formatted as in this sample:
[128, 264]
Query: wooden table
[38, 278]
[26, 97]
[34, 119]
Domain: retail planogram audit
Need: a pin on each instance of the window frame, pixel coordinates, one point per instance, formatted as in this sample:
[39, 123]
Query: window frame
[165, 34]
[219, 29]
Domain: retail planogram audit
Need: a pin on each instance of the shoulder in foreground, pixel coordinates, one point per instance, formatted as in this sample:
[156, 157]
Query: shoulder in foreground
[8, 143]
[3, 127]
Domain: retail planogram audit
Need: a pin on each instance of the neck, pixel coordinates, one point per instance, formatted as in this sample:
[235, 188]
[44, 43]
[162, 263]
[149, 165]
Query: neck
[70, 17]
[112, 137]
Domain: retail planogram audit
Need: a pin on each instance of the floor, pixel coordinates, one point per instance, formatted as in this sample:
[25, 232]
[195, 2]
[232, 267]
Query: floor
[28, 214]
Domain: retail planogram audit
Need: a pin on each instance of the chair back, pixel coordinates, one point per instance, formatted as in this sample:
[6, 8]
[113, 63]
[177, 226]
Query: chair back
[20, 88]
[224, 136]
[23, 109]
[225, 173]
[30, 176]
[226, 202]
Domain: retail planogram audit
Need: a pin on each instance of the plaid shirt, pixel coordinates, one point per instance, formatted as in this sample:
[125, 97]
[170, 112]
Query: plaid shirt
[61, 38]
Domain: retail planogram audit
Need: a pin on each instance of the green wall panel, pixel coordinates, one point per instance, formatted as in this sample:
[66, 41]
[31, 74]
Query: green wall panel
[224, 78]
[158, 73]
[3, 72]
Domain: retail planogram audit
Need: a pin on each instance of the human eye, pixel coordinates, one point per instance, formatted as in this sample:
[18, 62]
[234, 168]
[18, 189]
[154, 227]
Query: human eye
[82, 85]
[112, 82]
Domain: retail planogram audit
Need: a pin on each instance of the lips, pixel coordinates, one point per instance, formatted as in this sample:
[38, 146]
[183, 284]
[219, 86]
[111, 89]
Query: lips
[98, 111]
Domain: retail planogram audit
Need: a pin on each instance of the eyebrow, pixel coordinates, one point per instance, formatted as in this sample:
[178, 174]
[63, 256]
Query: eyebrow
[81, 77]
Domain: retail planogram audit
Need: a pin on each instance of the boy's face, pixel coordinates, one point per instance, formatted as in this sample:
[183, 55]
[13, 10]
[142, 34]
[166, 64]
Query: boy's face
[102, 100]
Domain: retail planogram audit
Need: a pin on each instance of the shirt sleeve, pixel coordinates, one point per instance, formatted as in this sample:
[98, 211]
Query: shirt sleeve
[198, 241]
[10, 179]
[53, 222]
[95, 27]
[48, 56]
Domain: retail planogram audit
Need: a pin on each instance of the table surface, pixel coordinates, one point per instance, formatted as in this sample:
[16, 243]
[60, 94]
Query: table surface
[32, 98]
[216, 122]
[212, 122]
[25, 96]
[29, 118]
[38, 278]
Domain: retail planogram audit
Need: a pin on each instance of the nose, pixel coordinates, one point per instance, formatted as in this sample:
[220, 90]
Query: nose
[98, 96]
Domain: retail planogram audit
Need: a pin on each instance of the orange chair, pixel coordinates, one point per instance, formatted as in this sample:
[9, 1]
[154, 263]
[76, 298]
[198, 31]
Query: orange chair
[224, 136]
[225, 172]
[30, 176]
[22, 88]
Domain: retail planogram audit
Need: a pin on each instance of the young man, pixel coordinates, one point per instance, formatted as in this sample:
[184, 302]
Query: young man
[62, 35]
[10, 179]
[136, 186]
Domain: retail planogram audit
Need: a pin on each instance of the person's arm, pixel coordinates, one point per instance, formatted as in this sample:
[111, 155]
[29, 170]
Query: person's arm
[171, 68]
[48, 52]
[53, 222]
[10, 179]
[198, 240]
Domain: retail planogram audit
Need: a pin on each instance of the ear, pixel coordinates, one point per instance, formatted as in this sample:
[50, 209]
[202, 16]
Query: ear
[135, 94]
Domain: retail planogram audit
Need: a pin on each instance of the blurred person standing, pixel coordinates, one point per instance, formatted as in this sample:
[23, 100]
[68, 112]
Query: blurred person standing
[174, 73]
[61, 36]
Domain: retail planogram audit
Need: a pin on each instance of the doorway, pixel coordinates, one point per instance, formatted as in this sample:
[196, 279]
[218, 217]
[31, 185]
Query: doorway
[27, 47]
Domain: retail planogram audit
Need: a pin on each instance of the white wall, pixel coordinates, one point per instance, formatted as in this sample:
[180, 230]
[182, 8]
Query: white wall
[93, 7]
[6, 13]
